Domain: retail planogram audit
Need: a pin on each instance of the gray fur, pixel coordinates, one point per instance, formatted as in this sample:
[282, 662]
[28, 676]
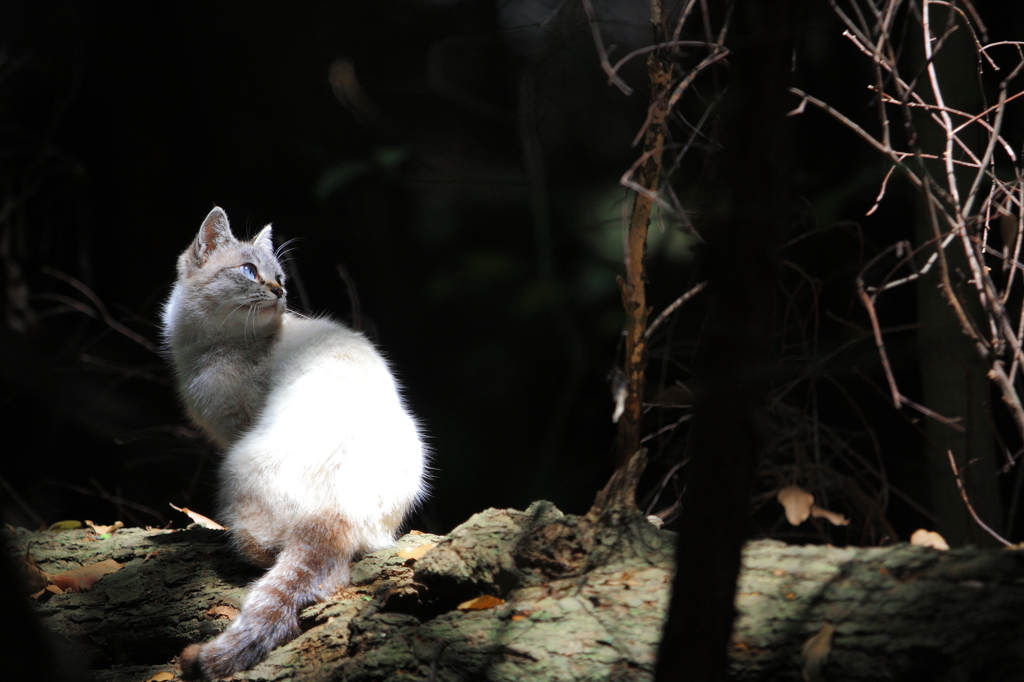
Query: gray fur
[322, 459]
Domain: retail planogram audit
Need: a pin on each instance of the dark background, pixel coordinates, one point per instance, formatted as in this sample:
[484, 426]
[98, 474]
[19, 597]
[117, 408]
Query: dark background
[468, 184]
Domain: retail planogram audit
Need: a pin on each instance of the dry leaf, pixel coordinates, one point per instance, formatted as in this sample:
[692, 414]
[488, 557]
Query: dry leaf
[417, 552]
[797, 502]
[161, 677]
[103, 530]
[836, 518]
[222, 610]
[65, 525]
[815, 654]
[927, 538]
[200, 519]
[44, 594]
[84, 577]
[485, 601]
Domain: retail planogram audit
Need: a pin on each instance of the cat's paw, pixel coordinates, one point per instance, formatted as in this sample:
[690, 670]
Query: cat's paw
[217, 659]
[190, 660]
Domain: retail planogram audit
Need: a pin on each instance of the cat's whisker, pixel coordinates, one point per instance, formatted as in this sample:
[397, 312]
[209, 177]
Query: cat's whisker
[245, 327]
[226, 318]
[253, 316]
[280, 253]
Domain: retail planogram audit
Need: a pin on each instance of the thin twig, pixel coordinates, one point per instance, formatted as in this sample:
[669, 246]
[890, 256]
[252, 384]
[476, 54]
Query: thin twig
[876, 329]
[668, 427]
[996, 127]
[718, 54]
[673, 307]
[602, 54]
[102, 309]
[974, 514]
[657, 46]
[896, 157]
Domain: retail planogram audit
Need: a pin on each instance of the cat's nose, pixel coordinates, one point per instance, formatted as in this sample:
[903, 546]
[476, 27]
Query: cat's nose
[276, 288]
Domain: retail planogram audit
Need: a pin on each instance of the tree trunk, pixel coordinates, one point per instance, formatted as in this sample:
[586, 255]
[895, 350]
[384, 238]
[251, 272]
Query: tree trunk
[742, 232]
[573, 610]
[954, 379]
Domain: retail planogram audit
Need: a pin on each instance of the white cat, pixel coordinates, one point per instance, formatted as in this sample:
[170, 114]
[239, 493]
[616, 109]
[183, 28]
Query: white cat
[323, 461]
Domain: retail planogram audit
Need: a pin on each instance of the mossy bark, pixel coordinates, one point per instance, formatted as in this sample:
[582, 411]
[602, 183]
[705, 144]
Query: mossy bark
[578, 605]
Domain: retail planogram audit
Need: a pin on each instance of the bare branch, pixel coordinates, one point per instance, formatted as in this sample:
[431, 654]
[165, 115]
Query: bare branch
[673, 307]
[602, 54]
[102, 309]
[974, 514]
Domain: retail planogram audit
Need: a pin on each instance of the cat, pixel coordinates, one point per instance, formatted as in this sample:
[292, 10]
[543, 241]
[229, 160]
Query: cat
[322, 459]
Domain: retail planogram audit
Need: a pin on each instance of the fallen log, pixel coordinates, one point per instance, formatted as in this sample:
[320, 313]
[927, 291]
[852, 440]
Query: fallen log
[573, 600]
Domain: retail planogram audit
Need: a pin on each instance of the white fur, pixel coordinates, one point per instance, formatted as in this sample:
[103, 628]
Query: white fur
[307, 410]
[332, 435]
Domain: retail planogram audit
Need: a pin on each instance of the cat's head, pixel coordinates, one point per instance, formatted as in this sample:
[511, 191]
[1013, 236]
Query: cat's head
[237, 285]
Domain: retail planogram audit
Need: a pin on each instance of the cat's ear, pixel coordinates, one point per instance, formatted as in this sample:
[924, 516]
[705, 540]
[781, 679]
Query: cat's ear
[215, 233]
[265, 239]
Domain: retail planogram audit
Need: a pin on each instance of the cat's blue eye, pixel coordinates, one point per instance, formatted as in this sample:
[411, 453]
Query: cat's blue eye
[249, 270]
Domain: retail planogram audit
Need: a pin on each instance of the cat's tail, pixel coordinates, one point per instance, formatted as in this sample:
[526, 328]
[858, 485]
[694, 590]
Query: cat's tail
[312, 566]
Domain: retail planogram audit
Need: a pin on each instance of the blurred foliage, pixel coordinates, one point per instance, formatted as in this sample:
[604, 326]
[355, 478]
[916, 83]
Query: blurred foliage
[461, 160]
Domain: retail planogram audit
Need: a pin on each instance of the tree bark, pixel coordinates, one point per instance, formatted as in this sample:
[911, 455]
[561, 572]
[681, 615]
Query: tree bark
[633, 287]
[742, 232]
[573, 609]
